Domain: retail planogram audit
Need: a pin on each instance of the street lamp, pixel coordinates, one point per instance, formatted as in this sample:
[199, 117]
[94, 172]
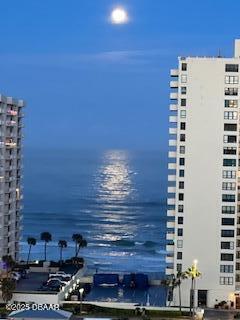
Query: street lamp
[81, 290]
[195, 271]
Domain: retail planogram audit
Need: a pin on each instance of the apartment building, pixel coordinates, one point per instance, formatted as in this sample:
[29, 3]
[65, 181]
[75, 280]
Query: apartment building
[203, 208]
[11, 117]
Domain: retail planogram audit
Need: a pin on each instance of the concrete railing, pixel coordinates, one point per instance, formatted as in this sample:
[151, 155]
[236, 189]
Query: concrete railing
[74, 282]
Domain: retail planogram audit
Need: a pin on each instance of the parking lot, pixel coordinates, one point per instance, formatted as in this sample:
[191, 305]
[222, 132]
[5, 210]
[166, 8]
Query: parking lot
[33, 282]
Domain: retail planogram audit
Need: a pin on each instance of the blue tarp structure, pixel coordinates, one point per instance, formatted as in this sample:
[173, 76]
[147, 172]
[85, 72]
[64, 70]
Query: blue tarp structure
[135, 280]
[127, 280]
[101, 279]
[141, 281]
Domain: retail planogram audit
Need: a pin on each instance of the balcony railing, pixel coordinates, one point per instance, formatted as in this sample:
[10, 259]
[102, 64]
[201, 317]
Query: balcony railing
[12, 112]
[11, 123]
[174, 72]
[10, 144]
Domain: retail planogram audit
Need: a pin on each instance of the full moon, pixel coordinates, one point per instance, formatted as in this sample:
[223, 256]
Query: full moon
[119, 16]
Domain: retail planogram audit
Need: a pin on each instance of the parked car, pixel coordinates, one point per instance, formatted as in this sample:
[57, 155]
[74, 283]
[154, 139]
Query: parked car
[61, 274]
[61, 278]
[44, 287]
[55, 281]
[15, 276]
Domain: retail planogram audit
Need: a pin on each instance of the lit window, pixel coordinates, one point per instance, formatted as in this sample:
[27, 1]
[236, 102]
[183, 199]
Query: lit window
[184, 78]
[231, 115]
[231, 103]
[183, 114]
[179, 243]
[231, 79]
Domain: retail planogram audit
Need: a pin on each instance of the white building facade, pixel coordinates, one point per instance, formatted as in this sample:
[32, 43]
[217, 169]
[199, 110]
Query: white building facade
[203, 176]
[11, 117]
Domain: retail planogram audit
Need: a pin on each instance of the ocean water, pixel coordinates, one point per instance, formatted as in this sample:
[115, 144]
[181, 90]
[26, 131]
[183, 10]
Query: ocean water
[115, 198]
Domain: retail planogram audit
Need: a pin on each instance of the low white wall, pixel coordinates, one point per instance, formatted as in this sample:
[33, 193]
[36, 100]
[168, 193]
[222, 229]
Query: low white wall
[38, 298]
[43, 269]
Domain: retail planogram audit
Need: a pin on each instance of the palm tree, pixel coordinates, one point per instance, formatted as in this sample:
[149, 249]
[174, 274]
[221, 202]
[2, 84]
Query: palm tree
[180, 277]
[192, 273]
[8, 286]
[81, 244]
[31, 242]
[62, 244]
[76, 237]
[46, 237]
[9, 262]
[170, 284]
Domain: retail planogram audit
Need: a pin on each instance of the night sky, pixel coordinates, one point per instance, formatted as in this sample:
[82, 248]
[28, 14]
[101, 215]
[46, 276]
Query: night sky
[90, 84]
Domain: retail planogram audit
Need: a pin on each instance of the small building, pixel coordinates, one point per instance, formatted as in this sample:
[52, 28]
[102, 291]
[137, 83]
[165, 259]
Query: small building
[40, 315]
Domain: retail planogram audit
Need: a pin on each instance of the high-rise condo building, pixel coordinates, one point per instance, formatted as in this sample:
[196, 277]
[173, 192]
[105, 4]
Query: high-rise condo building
[203, 197]
[11, 115]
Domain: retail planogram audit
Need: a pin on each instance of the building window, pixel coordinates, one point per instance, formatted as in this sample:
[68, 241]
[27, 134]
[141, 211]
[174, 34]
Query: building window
[181, 173]
[180, 196]
[180, 220]
[229, 162]
[182, 137]
[183, 78]
[180, 243]
[228, 221]
[230, 115]
[179, 255]
[229, 150]
[228, 245]
[183, 126]
[227, 234]
[180, 232]
[229, 186]
[228, 209]
[229, 174]
[183, 90]
[180, 208]
[231, 68]
[228, 197]
[181, 161]
[226, 280]
[226, 268]
[231, 103]
[184, 66]
[230, 127]
[231, 91]
[227, 257]
[182, 149]
[231, 79]
[179, 267]
[183, 102]
[183, 114]
[181, 185]
[229, 139]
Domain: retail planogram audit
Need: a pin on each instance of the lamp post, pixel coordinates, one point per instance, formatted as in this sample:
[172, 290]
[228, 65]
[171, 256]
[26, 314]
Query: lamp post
[81, 290]
[195, 262]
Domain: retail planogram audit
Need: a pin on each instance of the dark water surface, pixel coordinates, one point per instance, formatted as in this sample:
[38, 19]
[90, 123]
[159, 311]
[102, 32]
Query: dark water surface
[115, 198]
